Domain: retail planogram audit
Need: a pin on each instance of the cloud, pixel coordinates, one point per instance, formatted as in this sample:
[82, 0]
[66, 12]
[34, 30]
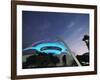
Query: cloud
[79, 29]
[44, 27]
[77, 46]
[68, 28]
[71, 24]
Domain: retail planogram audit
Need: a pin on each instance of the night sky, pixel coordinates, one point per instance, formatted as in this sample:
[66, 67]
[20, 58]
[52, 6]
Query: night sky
[71, 27]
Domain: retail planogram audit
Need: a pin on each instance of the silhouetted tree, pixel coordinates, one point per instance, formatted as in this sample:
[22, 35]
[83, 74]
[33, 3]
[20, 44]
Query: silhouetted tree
[39, 59]
[86, 39]
[83, 59]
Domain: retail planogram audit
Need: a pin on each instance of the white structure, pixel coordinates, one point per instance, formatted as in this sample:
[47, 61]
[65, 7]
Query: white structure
[70, 52]
[65, 59]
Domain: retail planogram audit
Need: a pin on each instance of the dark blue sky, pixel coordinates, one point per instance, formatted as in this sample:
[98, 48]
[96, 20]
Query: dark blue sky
[71, 27]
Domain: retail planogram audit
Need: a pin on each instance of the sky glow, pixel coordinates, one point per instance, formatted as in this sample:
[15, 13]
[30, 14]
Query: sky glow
[71, 27]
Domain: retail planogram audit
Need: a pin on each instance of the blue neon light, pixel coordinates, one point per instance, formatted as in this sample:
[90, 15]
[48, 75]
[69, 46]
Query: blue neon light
[47, 44]
[52, 51]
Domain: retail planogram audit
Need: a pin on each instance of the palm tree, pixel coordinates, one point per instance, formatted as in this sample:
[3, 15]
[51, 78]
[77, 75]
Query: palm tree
[86, 40]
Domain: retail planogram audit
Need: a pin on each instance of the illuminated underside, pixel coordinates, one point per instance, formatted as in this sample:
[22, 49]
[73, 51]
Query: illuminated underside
[49, 47]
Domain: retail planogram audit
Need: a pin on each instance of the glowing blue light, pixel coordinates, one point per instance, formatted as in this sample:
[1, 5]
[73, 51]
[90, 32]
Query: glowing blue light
[52, 51]
[38, 47]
